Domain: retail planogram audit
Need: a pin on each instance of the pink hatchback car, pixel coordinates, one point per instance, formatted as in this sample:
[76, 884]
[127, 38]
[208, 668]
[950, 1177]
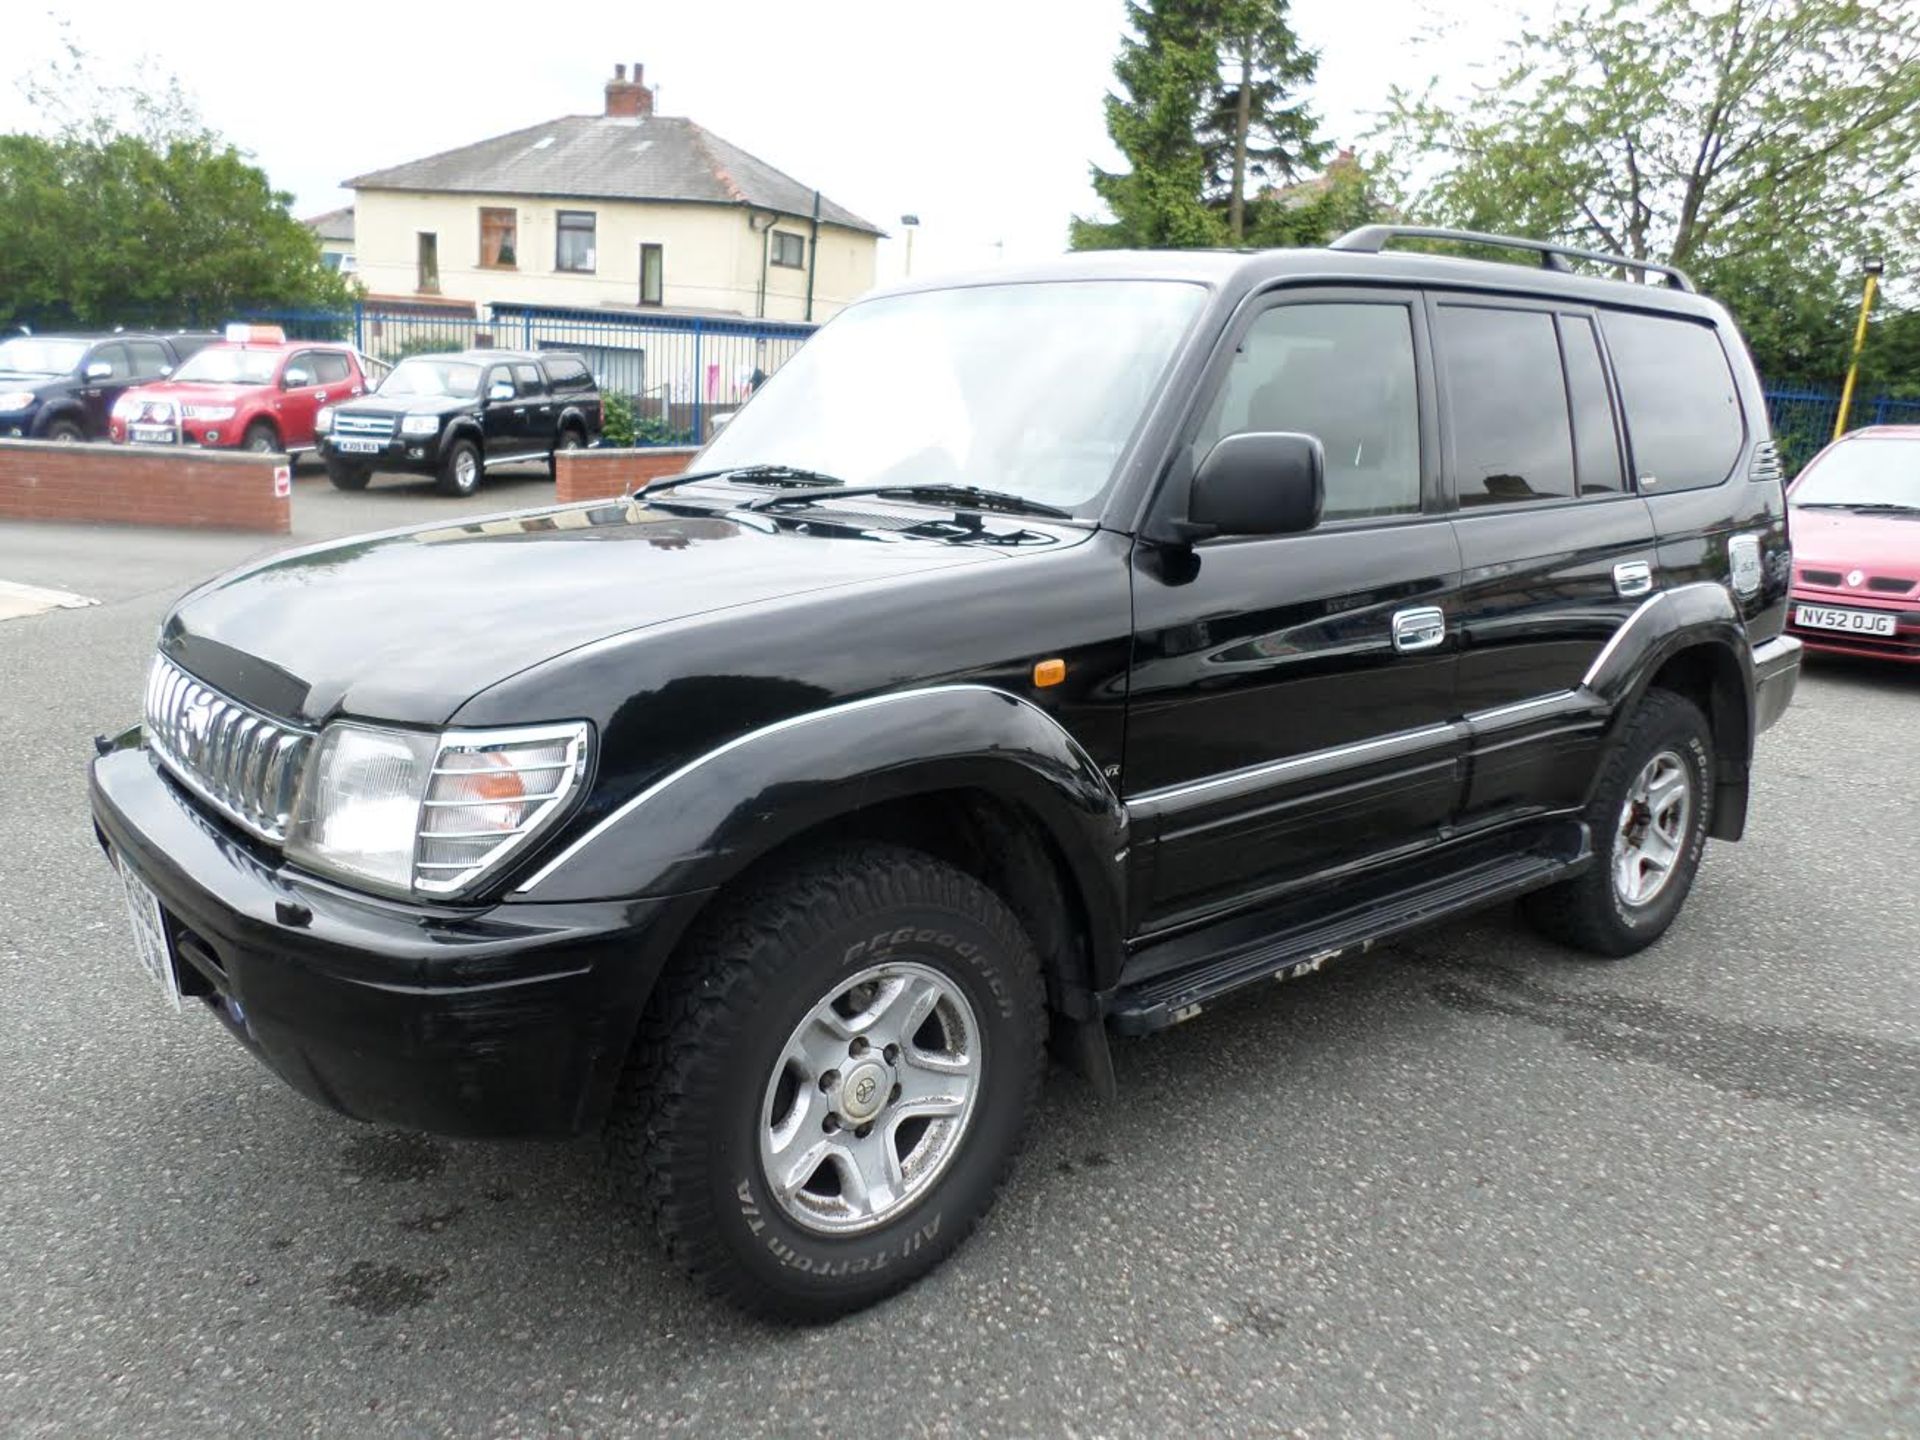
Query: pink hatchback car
[1856, 545]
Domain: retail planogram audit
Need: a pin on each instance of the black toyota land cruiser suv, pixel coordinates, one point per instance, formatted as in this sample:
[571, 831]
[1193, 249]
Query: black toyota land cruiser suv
[452, 416]
[1047, 656]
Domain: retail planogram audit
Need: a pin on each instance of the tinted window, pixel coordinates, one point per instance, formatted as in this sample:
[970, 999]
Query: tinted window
[1683, 414]
[149, 358]
[499, 375]
[1596, 448]
[329, 367]
[1342, 372]
[530, 380]
[1507, 402]
[568, 375]
[113, 356]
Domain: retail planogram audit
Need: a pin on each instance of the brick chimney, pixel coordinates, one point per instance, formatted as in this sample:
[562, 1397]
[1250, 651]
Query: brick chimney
[626, 97]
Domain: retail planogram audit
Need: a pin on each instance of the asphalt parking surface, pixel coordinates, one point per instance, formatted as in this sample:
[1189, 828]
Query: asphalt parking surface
[1467, 1184]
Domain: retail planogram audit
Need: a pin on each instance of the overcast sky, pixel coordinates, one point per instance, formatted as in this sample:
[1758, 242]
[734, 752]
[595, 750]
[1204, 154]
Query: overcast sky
[980, 117]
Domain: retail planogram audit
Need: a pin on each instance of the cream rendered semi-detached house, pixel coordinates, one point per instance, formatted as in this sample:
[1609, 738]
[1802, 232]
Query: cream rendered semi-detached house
[621, 210]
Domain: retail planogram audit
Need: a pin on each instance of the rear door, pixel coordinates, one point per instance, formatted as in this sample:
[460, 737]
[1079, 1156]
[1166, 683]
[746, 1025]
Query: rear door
[1290, 696]
[335, 375]
[538, 419]
[1556, 548]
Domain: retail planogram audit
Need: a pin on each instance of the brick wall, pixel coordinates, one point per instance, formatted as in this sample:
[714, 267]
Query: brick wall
[602, 474]
[212, 490]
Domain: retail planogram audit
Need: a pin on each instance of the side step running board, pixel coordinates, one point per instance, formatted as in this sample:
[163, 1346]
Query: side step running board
[1164, 1000]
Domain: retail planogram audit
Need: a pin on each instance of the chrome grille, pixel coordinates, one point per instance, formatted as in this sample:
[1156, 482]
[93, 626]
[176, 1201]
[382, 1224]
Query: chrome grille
[377, 427]
[1765, 465]
[245, 764]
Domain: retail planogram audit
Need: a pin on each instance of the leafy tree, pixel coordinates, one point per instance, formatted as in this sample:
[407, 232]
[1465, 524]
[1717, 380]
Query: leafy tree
[131, 210]
[1254, 126]
[1764, 144]
[1167, 70]
[1348, 193]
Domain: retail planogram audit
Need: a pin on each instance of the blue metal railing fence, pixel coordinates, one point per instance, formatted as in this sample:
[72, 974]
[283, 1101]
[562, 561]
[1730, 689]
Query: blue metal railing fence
[1803, 418]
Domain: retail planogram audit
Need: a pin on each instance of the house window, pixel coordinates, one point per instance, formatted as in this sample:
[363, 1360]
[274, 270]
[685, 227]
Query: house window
[790, 249]
[499, 238]
[574, 246]
[652, 283]
[426, 277]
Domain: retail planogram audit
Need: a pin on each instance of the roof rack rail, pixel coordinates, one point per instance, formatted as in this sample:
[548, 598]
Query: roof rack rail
[1372, 239]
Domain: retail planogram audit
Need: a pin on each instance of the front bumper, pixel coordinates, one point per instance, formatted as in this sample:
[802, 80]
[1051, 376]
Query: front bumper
[400, 452]
[1903, 644]
[1776, 675]
[513, 1020]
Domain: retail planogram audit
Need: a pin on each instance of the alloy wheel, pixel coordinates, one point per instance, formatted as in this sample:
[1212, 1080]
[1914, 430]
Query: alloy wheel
[1653, 829]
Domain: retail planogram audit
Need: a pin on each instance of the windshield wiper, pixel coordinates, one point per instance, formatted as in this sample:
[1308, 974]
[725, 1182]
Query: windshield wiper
[781, 475]
[968, 497]
[1875, 507]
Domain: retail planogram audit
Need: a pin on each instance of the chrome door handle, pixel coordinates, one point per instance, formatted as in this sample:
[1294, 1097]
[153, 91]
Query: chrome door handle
[1419, 629]
[1632, 579]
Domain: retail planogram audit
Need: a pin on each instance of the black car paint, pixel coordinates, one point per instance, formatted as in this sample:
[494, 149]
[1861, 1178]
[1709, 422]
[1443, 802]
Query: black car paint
[1235, 720]
[526, 426]
[85, 403]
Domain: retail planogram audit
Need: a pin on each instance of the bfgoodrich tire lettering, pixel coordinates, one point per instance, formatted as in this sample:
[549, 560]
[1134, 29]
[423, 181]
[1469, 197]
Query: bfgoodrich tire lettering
[1666, 736]
[685, 1132]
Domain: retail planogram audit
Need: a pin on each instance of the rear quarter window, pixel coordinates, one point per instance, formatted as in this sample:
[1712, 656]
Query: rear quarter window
[1682, 406]
[568, 375]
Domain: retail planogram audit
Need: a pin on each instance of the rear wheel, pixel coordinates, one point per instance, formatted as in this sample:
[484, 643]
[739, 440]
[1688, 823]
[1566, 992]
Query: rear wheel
[261, 438]
[570, 439]
[832, 1081]
[460, 469]
[1649, 818]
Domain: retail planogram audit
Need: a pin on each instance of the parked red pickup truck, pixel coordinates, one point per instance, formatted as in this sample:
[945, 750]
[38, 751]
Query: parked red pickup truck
[256, 391]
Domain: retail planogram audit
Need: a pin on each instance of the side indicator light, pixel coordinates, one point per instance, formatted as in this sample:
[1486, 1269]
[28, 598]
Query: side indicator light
[1049, 672]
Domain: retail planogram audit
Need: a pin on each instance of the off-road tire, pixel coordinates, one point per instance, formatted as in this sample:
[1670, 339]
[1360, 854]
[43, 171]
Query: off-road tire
[261, 438]
[683, 1138]
[571, 438]
[449, 482]
[67, 432]
[1587, 912]
[348, 477]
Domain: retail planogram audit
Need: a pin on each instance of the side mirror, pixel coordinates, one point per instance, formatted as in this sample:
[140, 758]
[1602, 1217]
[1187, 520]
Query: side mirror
[1263, 483]
[498, 391]
[295, 379]
[99, 370]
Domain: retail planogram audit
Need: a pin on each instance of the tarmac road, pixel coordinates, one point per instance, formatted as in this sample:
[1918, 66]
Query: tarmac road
[1468, 1184]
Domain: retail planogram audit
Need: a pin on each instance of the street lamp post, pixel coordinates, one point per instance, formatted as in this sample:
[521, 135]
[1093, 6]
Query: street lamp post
[1873, 267]
[910, 223]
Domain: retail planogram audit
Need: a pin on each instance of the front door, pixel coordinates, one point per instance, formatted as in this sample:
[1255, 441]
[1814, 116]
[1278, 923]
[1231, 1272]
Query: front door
[98, 392]
[1556, 548]
[1291, 697]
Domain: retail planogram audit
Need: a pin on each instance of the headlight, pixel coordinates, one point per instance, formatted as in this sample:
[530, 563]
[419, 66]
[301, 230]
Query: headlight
[16, 399]
[323, 422]
[405, 812]
[207, 412]
[125, 408]
[420, 425]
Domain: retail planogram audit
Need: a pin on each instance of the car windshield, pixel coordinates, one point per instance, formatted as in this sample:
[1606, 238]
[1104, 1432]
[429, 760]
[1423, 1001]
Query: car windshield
[1033, 389]
[1870, 474]
[224, 365]
[432, 377]
[30, 355]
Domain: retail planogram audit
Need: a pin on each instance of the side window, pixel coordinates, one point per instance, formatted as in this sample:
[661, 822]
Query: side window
[529, 380]
[1342, 371]
[567, 375]
[299, 364]
[1683, 412]
[1596, 448]
[329, 367]
[498, 375]
[148, 358]
[115, 358]
[1506, 405]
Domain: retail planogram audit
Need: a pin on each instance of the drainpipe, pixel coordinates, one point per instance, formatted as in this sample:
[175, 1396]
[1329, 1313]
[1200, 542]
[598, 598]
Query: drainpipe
[765, 226]
[813, 255]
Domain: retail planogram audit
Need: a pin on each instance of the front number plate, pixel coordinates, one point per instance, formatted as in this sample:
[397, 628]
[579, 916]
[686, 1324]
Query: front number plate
[1854, 622]
[359, 447]
[150, 944]
[151, 434]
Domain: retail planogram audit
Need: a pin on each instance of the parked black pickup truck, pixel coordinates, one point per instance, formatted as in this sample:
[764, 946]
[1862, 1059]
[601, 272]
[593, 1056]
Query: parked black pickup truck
[452, 416]
[64, 387]
[1047, 655]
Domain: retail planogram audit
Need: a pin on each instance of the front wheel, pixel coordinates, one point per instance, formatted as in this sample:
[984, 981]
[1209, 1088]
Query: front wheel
[65, 432]
[460, 469]
[348, 477]
[832, 1081]
[261, 438]
[1649, 817]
